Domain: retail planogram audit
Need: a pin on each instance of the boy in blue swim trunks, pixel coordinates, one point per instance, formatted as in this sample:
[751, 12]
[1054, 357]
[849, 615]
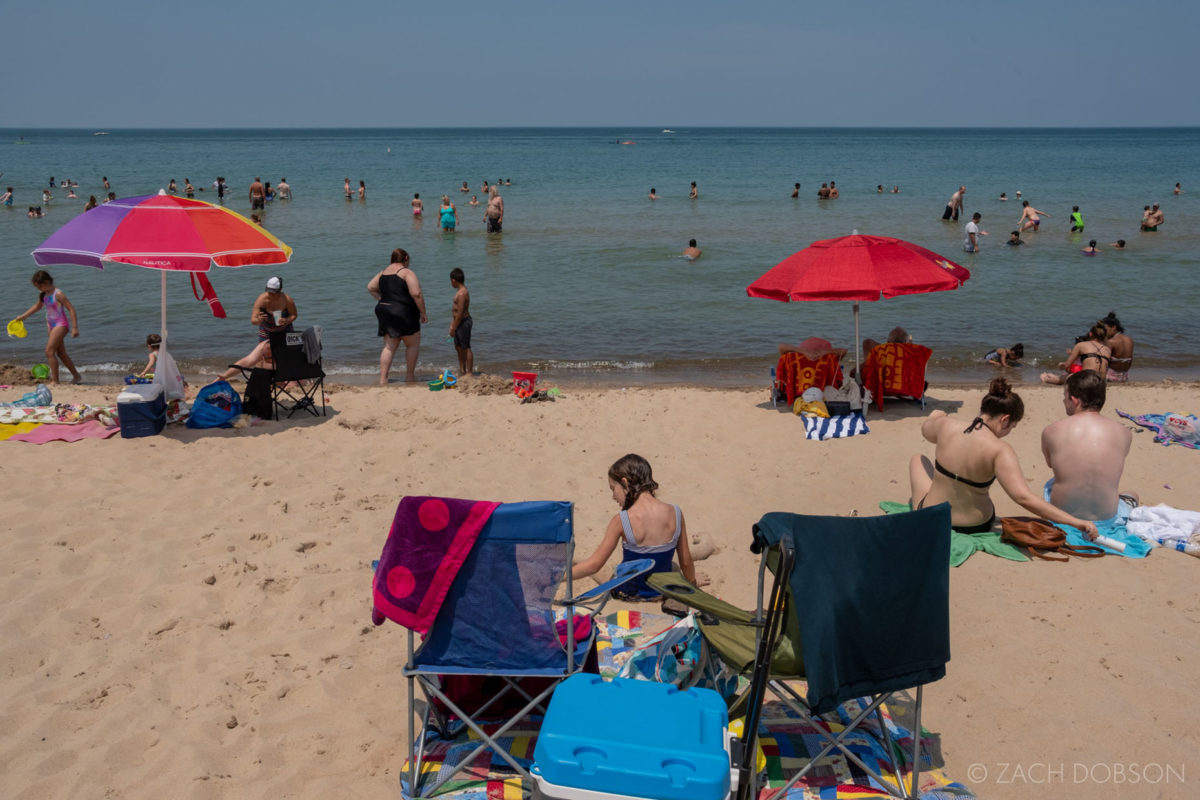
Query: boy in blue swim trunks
[1087, 453]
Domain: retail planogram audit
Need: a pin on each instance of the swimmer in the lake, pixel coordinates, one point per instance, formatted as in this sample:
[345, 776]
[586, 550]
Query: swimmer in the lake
[691, 252]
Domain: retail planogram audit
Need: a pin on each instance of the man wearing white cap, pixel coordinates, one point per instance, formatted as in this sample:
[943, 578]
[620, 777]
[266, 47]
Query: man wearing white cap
[272, 312]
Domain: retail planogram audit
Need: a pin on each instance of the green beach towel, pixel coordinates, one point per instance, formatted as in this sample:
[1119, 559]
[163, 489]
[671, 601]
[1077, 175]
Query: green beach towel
[965, 545]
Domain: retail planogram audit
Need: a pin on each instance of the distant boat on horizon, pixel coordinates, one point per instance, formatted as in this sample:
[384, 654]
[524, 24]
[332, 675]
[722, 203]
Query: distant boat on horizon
[667, 130]
[100, 133]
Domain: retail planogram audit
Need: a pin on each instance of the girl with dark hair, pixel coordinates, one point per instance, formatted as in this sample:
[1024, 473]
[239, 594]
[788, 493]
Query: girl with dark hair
[646, 527]
[60, 320]
[1006, 356]
[1090, 352]
[967, 460]
[1121, 346]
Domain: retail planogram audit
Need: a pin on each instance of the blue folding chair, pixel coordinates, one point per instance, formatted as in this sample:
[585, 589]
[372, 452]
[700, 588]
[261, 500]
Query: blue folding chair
[498, 622]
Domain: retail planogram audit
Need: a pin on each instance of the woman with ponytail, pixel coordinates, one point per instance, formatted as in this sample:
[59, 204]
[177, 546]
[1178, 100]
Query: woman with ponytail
[969, 458]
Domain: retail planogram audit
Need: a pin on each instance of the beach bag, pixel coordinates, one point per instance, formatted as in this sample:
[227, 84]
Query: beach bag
[679, 656]
[1043, 539]
[216, 406]
[166, 372]
[1182, 428]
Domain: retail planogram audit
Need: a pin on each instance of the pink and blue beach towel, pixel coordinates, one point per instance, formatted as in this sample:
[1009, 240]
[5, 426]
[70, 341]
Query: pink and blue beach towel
[429, 540]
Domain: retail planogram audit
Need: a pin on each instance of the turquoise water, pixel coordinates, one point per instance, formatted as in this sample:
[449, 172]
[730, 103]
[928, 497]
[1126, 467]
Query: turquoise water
[585, 283]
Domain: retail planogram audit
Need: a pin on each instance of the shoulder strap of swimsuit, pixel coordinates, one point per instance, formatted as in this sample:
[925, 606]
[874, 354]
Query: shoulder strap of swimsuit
[624, 515]
[678, 525]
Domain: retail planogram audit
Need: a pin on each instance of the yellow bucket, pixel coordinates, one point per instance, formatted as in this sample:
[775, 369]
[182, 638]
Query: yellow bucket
[17, 328]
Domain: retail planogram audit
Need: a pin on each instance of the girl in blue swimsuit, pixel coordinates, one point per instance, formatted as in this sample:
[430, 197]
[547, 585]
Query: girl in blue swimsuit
[646, 527]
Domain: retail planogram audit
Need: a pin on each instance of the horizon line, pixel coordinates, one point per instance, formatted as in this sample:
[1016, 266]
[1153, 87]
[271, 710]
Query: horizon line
[102, 128]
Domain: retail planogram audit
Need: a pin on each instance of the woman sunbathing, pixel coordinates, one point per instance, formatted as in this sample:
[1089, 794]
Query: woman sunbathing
[967, 460]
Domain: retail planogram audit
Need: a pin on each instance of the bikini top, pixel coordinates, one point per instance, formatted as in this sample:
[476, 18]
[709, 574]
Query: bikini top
[961, 479]
[1096, 354]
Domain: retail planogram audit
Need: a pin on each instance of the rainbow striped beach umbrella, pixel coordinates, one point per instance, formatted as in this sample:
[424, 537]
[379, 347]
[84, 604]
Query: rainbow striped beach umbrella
[162, 232]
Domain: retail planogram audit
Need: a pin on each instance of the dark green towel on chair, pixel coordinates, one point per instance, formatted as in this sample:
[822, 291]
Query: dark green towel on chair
[872, 598]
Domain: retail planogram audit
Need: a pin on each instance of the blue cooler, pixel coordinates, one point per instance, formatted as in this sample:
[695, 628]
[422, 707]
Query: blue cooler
[625, 740]
[141, 410]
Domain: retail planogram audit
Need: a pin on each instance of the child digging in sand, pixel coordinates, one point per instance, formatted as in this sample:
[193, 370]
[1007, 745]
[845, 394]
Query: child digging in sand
[60, 316]
[646, 527]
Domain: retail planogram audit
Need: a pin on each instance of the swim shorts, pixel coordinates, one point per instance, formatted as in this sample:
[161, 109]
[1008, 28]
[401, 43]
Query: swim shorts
[493, 225]
[949, 212]
[462, 334]
[1118, 377]
[256, 203]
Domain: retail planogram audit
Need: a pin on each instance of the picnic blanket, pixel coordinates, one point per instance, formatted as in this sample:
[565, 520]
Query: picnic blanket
[965, 545]
[41, 434]
[1165, 433]
[58, 414]
[786, 741]
[839, 427]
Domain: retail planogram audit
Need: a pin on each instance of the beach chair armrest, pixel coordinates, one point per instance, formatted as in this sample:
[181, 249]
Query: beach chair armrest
[677, 587]
[625, 572]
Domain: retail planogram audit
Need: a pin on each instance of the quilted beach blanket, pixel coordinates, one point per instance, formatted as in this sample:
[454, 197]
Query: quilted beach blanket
[58, 414]
[785, 739]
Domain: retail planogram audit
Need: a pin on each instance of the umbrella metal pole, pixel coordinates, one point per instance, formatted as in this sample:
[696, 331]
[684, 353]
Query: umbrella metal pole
[163, 331]
[857, 345]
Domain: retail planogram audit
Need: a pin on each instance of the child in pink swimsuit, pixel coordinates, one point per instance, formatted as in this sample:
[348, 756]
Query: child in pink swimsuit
[60, 317]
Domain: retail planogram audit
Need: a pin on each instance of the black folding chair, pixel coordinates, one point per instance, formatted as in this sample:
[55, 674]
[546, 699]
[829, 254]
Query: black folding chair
[292, 384]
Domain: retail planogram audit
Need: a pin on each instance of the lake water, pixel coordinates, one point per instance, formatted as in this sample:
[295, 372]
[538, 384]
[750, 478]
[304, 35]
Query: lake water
[585, 284]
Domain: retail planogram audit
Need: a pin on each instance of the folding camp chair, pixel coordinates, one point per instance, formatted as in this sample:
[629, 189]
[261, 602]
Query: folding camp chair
[866, 614]
[498, 622]
[291, 384]
[795, 372]
[896, 369]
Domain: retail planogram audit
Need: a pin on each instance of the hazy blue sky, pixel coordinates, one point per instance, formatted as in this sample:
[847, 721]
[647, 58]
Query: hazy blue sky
[272, 63]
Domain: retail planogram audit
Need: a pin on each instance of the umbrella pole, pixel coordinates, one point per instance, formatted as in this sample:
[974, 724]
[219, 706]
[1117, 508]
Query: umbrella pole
[857, 344]
[163, 326]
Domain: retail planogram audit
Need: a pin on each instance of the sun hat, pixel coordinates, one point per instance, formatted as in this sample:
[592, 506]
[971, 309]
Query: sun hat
[274, 284]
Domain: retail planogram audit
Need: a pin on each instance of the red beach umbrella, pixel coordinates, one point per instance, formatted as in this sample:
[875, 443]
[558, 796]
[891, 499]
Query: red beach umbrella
[858, 268]
[166, 233]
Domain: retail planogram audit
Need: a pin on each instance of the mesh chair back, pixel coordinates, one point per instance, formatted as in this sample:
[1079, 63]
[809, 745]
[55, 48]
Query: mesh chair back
[498, 615]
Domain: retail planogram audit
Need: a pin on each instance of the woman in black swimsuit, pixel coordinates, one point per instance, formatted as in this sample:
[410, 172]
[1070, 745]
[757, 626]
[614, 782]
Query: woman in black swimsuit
[1089, 353]
[968, 459]
[400, 311]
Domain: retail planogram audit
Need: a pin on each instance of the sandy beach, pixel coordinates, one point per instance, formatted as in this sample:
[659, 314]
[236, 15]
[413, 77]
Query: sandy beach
[188, 615]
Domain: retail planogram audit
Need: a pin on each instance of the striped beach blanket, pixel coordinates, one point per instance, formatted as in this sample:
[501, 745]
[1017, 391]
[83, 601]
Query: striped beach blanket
[835, 427]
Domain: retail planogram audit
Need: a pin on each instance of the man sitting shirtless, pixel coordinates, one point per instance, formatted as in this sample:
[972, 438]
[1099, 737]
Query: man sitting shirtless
[1087, 454]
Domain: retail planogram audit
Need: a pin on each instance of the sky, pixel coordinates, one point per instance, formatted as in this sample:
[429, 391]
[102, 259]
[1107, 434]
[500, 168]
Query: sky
[455, 63]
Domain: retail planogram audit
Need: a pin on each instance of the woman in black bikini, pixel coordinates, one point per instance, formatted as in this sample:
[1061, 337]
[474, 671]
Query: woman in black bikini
[968, 459]
[1091, 352]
